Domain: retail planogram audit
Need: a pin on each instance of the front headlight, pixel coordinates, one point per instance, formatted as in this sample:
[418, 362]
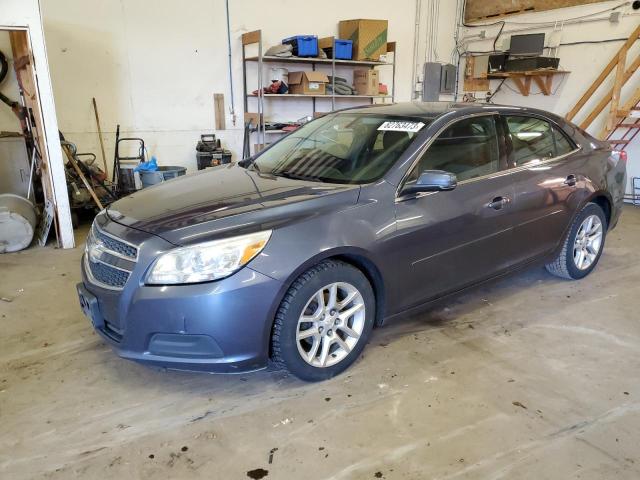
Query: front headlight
[207, 261]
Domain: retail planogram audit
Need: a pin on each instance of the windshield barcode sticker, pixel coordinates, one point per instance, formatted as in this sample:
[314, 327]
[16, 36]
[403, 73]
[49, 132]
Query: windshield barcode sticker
[401, 126]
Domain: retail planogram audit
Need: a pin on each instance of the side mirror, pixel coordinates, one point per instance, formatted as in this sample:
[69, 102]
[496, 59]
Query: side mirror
[431, 181]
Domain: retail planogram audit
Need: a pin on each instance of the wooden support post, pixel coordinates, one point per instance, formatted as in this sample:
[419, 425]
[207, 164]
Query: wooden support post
[251, 37]
[523, 84]
[544, 84]
[615, 97]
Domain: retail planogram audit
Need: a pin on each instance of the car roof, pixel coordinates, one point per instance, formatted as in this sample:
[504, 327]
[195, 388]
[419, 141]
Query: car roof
[432, 110]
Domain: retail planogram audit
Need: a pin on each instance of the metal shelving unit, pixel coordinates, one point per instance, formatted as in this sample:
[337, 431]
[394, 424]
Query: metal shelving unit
[255, 38]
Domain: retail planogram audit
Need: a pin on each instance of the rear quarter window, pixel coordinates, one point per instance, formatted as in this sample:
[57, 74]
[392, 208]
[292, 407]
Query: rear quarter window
[535, 139]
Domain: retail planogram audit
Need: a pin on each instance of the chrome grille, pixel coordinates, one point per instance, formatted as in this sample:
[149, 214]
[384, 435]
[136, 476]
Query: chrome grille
[116, 245]
[109, 261]
[108, 275]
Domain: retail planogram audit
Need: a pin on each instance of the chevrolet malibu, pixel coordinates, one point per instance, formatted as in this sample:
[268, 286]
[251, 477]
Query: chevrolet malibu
[363, 215]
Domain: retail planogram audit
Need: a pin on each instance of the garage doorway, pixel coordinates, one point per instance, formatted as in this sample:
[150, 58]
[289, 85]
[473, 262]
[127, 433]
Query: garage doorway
[34, 159]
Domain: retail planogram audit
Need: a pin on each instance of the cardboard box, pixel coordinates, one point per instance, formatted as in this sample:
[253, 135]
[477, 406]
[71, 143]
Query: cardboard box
[366, 80]
[325, 42]
[369, 37]
[307, 83]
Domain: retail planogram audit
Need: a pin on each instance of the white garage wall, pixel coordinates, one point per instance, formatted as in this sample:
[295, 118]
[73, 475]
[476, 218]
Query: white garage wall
[154, 66]
[584, 61]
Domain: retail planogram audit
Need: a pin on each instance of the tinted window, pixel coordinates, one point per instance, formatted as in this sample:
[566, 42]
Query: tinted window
[563, 145]
[468, 148]
[341, 148]
[534, 139]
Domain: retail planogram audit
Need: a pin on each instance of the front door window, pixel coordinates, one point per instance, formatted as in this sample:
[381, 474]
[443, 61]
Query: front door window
[468, 148]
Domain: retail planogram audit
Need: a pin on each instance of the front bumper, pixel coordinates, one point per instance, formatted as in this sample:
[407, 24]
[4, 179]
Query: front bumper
[222, 326]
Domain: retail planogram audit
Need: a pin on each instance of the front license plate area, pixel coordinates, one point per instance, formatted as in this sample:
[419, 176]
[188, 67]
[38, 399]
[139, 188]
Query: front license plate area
[89, 306]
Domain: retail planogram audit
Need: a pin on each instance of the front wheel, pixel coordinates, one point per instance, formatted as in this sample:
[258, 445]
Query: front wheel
[583, 245]
[324, 321]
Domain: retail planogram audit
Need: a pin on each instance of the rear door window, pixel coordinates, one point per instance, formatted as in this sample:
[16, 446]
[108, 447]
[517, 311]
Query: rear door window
[563, 145]
[535, 140]
[468, 148]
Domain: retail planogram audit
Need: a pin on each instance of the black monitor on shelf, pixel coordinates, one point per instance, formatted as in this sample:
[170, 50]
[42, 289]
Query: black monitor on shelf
[529, 45]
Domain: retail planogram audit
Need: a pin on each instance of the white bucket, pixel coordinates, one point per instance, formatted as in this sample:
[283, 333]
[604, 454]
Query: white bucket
[17, 222]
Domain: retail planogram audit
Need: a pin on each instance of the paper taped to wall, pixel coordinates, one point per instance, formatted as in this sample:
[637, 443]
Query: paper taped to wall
[401, 126]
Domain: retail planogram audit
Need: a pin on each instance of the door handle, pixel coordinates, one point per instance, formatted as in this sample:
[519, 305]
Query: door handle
[498, 203]
[571, 181]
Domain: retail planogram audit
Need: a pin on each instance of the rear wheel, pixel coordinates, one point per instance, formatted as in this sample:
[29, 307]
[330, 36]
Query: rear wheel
[324, 321]
[582, 246]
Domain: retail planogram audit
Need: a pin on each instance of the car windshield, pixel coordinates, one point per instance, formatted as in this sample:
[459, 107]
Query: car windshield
[341, 148]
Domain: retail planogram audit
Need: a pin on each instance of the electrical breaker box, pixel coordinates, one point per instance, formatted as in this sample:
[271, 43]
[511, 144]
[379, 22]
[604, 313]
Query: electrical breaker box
[448, 79]
[431, 82]
[438, 78]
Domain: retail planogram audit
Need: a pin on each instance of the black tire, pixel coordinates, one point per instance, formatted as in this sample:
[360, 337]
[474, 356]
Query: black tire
[564, 265]
[284, 347]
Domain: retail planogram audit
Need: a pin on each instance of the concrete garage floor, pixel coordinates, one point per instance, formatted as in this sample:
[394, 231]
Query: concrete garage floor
[530, 377]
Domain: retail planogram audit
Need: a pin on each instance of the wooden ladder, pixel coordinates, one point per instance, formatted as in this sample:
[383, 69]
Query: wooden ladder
[617, 113]
[631, 123]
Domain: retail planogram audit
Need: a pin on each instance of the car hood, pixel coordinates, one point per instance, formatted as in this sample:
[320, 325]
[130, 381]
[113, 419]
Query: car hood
[225, 200]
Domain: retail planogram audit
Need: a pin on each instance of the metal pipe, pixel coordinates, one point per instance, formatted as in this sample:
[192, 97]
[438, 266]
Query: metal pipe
[31, 170]
[416, 43]
[233, 107]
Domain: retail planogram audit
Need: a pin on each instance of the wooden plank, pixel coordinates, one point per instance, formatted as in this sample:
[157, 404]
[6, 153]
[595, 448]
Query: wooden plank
[607, 98]
[251, 37]
[603, 75]
[528, 73]
[25, 76]
[218, 105]
[471, 82]
[479, 10]
[543, 85]
[612, 118]
[75, 166]
[104, 156]
[523, 86]
[626, 108]
[476, 85]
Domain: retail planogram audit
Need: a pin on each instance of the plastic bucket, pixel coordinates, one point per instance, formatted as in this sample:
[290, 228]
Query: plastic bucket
[160, 175]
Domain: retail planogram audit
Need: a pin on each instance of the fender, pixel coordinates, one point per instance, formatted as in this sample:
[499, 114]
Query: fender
[343, 252]
[588, 199]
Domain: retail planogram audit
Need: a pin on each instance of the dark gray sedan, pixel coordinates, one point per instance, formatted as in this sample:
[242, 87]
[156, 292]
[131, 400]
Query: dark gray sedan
[357, 217]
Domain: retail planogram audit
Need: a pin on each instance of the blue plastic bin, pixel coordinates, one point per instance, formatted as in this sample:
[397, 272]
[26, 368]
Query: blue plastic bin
[149, 178]
[344, 49]
[303, 45]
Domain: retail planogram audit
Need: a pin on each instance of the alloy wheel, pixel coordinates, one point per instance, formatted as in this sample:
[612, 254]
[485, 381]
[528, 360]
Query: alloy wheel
[331, 324]
[588, 242]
